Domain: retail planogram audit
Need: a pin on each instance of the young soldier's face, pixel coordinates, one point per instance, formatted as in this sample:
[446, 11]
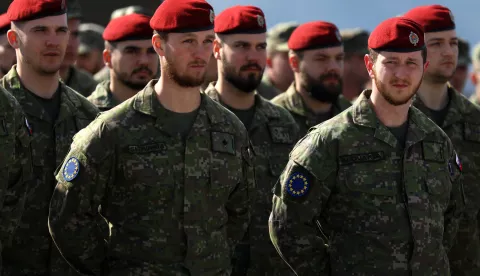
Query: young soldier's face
[134, 62]
[397, 76]
[41, 43]
[442, 55]
[185, 57]
[243, 58]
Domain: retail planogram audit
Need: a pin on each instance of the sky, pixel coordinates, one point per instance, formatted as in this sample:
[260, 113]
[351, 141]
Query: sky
[365, 14]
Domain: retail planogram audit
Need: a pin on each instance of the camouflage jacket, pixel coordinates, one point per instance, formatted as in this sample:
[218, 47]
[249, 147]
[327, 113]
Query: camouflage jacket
[305, 118]
[267, 90]
[474, 99]
[32, 251]
[462, 125]
[353, 202]
[102, 75]
[273, 134]
[133, 198]
[102, 97]
[81, 81]
[15, 165]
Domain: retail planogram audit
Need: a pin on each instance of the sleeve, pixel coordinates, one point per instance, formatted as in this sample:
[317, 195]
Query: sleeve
[299, 198]
[239, 204]
[456, 206]
[75, 220]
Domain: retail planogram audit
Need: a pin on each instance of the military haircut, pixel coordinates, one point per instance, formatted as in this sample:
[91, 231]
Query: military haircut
[163, 35]
[298, 54]
[374, 54]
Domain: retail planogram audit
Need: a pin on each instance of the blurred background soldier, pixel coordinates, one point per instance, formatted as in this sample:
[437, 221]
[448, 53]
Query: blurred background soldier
[90, 49]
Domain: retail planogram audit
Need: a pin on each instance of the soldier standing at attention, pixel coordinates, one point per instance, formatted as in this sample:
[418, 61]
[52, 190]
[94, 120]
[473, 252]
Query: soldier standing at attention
[131, 58]
[7, 53]
[240, 49]
[355, 76]
[160, 184]
[459, 118]
[316, 57]
[278, 74]
[475, 75]
[377, 190]
[15, 166]
[460, 75]
[77, 79]
[55, 113]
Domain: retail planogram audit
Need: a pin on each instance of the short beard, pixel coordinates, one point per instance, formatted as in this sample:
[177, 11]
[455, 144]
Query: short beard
[123, 78]
[247, 85]
[437, 78]
[183, 81]
[388, 97]
[320, 92]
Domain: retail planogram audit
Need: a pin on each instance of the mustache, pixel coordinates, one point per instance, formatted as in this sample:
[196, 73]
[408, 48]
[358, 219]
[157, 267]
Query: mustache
[142, 68]
[330, 75]
[251, 66]
[400, 81]
[198, 62]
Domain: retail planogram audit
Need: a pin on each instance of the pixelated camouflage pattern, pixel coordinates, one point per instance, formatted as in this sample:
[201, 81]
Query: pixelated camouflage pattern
[81, 81]
[273, 134]
[266, 89]
[102, 97]
[145, 202]
[305, 118]
[32, 251]
[462, 125]
[372, 208]
[15, 166]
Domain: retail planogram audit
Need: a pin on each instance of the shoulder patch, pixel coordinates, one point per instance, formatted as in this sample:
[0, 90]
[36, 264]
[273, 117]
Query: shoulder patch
[298, 184]
[71, 169]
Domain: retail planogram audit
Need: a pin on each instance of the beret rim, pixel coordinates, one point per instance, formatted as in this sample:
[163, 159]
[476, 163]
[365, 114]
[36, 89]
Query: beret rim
[130, 38]
[246, 31]
[41, 15]
[398, 50]
[321, 46]
[185, 30]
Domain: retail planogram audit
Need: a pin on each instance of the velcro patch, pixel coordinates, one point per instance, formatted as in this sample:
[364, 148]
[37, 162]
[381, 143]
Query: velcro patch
[433, 151]
[361, 158]
[71, 169]
[280, 135]
[223, 142]
[154, 147]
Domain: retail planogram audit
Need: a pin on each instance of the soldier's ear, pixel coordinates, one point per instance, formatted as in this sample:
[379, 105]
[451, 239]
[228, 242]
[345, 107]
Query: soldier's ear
[12, 37]
[294, 63]
[369, 65]
[473, 78]
[217, 47]
[158, 44]
[107, 58]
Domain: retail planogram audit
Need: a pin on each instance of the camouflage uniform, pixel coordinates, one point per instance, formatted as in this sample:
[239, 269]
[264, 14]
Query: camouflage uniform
[102, 75]
[351, 201]
[81, 81]
[293, 102]
[273, 133]
[15, 166]
[32, 251]
[462, 125]
[102, 97]
[133, 198]
[266, 89]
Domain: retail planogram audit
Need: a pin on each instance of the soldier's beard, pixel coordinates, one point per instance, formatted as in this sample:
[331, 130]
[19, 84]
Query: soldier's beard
[391, 98]
[319, 91]
[182, 80]
[438, 77]
[248, 84]
[123, 78]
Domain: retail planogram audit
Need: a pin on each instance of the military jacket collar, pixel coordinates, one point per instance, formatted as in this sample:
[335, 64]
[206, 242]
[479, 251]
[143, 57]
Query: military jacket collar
[69, 104]
[102, 97]
[419, 126]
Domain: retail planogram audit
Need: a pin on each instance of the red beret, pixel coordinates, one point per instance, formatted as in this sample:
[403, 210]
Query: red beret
[4, 23]
[128, 27]
[314, 35]
[241, 20]
[397, 34]
[433, 18]
[23, 10]
[181, 16]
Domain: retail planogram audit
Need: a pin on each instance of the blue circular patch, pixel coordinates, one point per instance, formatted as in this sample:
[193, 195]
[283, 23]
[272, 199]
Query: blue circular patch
[71, 169]
[297, 185]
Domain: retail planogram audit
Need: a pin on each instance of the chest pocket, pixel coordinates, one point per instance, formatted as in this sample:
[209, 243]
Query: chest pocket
[225, 165]
[282, 143]
[436, 170]
[149, 179]
[7, 143]
[472, 132]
